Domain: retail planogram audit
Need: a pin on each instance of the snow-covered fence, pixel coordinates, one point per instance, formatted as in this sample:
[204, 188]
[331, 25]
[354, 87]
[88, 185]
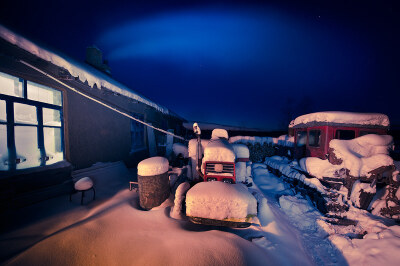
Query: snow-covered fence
[262, 147]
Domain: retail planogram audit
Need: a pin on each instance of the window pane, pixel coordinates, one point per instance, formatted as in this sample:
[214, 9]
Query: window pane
[301, 138]
[362, 133]
[53, 145]
[314, 138]
[25, 114]
[3, 116]
[345, 134]
[26, 144]
[44, 94]
[10, 85]
[51, 117]
[137, 134]
[3, 148]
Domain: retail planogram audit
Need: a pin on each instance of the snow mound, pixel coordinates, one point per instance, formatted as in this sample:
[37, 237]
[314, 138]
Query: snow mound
[296, 207]
[363, 154]
[219, 133]
[219, 150]
[218, 200]
[318, 167]
[267, 181]
[241, 151]
[343, 118]
[180, 196]
[180, 148]
[289, 169]
[240, 171]
[374, 249]
[153, 166]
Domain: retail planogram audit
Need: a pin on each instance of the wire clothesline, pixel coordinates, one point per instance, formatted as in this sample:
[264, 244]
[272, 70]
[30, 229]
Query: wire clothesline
[102, 103]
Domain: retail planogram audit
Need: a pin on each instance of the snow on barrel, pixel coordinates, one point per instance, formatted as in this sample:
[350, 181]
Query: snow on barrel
[220, 201]
[153, 182]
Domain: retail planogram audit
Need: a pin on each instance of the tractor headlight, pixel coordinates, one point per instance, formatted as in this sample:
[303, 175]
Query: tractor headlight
[228, 180]
[211, 179]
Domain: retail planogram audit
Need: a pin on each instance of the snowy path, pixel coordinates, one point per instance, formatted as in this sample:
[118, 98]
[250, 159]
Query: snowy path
[298, 216]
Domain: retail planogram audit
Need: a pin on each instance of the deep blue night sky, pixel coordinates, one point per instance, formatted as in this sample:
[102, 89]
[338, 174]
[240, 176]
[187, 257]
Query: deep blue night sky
[254, 64]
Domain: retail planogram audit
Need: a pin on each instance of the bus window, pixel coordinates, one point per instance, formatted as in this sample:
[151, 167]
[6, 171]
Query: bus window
[301, 138]
[345, 134]
[314, 138]
[363, 133]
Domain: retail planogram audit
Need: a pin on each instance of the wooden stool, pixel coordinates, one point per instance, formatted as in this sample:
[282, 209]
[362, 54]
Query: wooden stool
[82, 185]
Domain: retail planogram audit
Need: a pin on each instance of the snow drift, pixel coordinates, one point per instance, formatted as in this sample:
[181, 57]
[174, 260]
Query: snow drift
[218, 200]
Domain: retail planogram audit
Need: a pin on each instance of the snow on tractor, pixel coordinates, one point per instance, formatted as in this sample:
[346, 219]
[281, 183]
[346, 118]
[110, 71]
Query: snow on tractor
[342, 161]
[218, 195]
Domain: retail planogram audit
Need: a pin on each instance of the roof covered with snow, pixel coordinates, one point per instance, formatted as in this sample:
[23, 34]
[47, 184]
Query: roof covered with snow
[84, 73]
[211, 126]
[336, 117]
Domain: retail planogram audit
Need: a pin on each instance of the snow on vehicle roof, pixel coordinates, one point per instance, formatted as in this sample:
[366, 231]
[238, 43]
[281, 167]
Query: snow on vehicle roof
[153, 166]
[218, 200]
[371, 119]
[76, 69]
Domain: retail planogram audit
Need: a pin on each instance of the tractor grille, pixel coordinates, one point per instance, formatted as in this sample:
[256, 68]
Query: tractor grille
[226, 169]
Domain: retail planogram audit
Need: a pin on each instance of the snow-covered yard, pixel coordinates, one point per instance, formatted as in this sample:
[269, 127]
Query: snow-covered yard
[113, 230]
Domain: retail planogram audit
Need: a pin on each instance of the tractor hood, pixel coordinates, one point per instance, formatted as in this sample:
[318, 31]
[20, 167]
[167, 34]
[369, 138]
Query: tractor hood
[219, 150]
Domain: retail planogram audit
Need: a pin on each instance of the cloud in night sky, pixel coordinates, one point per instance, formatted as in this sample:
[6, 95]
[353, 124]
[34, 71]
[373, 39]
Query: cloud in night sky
[267, 53]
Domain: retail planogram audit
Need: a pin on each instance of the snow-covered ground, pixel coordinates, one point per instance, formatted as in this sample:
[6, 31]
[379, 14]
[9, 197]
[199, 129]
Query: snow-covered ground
[373, 241]
[113, 230]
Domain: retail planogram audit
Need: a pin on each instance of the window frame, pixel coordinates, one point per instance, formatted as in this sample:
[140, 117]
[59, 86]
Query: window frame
[319, 138]
[11, 124]
[133, 125]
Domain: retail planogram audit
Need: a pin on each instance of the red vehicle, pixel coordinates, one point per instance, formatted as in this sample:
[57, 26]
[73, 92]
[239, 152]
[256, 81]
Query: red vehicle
[313, 132]
[218, 163]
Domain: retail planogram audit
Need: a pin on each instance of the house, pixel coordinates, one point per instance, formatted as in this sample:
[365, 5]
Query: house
[57, 115]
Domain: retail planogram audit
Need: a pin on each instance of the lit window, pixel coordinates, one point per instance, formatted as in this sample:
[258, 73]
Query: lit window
[31, 132]
[3, 115]
[3, 148]
[43, 94]
[51, 117]
[26, 146]
[25, 114]
[10, 85]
